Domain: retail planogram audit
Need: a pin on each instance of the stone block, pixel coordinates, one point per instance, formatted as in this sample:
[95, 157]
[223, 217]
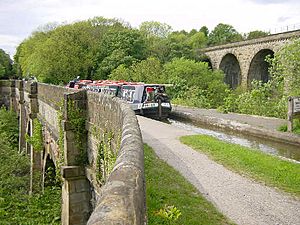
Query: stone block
[69, 172]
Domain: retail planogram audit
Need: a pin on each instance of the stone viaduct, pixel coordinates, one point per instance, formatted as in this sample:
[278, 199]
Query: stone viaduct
[94, 143]
[244, 61]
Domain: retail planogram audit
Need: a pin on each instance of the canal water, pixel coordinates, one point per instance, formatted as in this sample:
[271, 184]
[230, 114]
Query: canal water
[285, 151]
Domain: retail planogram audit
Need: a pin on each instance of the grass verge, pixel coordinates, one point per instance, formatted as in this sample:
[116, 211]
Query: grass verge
[169, 194]
[254, 163]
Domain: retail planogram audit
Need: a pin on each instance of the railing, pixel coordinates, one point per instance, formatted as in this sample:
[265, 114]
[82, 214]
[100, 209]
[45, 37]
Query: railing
[282, 29]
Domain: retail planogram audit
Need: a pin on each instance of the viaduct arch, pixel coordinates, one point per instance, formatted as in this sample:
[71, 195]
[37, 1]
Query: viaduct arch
[244, 61]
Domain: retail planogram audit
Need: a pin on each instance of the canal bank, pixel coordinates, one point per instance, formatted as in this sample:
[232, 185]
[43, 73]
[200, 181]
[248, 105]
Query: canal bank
[257, 126]
[241, 199]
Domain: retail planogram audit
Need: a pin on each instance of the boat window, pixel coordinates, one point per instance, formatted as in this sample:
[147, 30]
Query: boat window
[128, 93]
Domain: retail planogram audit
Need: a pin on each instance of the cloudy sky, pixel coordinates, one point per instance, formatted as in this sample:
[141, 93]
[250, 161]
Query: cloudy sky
[18, 18]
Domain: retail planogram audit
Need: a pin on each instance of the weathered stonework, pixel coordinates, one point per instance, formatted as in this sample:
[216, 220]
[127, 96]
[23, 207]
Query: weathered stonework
[120, 196]
[245, 59]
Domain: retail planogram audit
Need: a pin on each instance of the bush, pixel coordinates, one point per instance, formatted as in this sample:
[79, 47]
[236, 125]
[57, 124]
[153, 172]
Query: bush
[195, 84]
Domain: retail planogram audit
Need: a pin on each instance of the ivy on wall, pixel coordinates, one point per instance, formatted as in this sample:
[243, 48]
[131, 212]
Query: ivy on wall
[36, 140]
[76, 119]
[107, 153]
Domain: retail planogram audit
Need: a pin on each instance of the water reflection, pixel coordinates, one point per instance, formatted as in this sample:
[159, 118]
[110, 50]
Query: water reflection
[285, 151]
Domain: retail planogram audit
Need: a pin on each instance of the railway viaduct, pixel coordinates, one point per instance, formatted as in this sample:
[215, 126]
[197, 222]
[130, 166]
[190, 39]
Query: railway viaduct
[244, 61]
[94, 143]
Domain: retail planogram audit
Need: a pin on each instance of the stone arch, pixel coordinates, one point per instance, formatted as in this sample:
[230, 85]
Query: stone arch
[28, 132]
[258, 69]
[231, 67]
[49, 172]
[209, 63]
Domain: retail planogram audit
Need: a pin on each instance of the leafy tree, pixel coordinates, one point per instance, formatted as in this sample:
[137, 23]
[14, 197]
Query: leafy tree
[121, 73]
[222, 34]
[204, 30]
[148, 71]
[195, 82]
[5, 65]
[198, 40]
[178, 45]
[256, 34]
[192, 32]
[286, 67]
[154, 28]
[118, 47]
[112, 61]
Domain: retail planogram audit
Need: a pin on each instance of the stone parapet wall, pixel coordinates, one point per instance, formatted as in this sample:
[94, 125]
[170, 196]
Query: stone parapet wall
[50, 103]
[121, 199]
[52, 95]
[5, 92]
[114, 174]
[269, 38]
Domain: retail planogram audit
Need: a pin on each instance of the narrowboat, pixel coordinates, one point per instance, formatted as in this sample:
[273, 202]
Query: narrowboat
[148, 100]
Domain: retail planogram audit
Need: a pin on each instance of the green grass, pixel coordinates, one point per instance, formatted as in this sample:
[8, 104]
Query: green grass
[263, 167]
[296, 127]
[166, 187]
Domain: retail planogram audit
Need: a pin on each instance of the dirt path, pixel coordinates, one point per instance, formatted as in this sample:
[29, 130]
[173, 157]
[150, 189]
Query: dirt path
[240, 199]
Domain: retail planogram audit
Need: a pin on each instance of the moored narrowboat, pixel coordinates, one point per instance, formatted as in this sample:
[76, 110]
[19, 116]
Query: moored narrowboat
[149, 100]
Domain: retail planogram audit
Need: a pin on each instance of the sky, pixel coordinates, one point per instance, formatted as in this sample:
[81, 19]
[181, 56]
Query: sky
[19, 18]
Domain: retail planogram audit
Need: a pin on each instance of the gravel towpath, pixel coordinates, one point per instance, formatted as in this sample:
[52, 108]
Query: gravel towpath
[242, 200]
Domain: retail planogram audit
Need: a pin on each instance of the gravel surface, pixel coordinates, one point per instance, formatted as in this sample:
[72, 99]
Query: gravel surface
[242, 200]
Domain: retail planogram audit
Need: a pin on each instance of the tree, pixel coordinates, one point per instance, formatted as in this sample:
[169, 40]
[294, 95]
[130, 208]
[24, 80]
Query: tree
[157, 29]
[194, 81]
[121, 46]
[222, 34]
[198, 40]
[148, 71]
[256, 34]
[286, 67]
[5, 65]
[204, 30]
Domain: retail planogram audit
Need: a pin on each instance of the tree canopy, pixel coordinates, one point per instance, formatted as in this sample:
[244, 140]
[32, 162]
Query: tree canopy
[99, 48]
[5, 65]
[222, 34]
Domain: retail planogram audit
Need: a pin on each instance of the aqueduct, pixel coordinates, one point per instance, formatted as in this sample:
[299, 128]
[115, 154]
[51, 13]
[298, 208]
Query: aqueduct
[95, 144]
[244, 61]
[94, 140]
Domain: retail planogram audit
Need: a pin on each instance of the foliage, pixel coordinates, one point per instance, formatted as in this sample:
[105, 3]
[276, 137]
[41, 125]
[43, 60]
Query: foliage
[149, 71]
[154, 28]
[256, 34]
[5, 65]
[286, 64]
[106, 157]
[262, 99]
[222, 34]
[194, 81]
[204, 30]
[59, 55]
[251, 162]
[169, 212]
[16, 206]
[9, 126]
[76, 118]
[36, 140]
[167, 191]
[119, 47]
[296, 127]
